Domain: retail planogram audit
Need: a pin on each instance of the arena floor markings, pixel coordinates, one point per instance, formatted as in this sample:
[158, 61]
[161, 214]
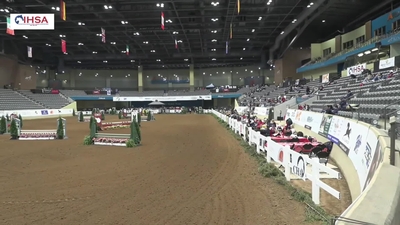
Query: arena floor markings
[189, 170]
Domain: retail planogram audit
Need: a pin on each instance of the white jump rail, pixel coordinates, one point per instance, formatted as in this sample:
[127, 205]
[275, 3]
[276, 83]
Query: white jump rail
[36, 134]
[293, 162]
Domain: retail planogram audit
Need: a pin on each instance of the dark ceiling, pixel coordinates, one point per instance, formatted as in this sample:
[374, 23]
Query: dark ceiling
[201, 28]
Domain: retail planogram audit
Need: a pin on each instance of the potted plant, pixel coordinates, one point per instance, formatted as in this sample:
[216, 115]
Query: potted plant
[102, 115]
[80, 116]
[149, 116]
[73, 112]
[120, 114]
[13, 130]
[20, 121]
[3, 125]
[60, 129]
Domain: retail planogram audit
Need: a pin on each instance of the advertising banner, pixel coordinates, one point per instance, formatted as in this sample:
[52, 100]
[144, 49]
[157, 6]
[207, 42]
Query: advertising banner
[357, 69]
[386, 63]
[32, 21]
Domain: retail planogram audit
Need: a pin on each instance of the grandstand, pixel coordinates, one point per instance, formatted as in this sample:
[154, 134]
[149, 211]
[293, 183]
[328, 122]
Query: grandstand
[49, 101]
[12, 100]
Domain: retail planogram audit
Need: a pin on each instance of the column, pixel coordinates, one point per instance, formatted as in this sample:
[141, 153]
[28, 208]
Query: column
[191, 77]
[108, 82]
[140, 78]
[229, 78]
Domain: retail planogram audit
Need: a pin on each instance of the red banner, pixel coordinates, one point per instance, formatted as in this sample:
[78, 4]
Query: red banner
[55, 91]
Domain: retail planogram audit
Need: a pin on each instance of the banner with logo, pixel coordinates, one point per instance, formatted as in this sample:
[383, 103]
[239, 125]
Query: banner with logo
[162, 98]
[357, 69]
[261, 111]
[359, 142]
[32, 21]
[325, 78]
[386, 63]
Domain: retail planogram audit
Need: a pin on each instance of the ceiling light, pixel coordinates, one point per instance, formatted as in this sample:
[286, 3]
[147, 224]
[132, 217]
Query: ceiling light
[248, 39]
[65, 53]
[175, 32]
[186, 60]
[111, 75]
[204, 73]
[367, 52]
[80, 43]
[253, 30]
[214, 3]
[294, 21]
[168, 21]
[269, 2]
[94, 52]
[311, 3]
[78, 61]
[259, 18]
[123, 51]
[223, 72]
[107, 7]
[251, 71]
[245, 70]
[179, 41]
[124, 22]
[214, 31]
[241, 58]
[323, 21]
[361, 54]
[214, 19]
[213, 59]
[48, 44]
[96, 74]
[105, 61]
[214, 40]
[98, 35]
[213, 49]
[158, 60]
[244, 49]
[62, 35]
[374, 50]
[161, 5]
[282, 32]
[26, 37]
[113, 43]
[145, 42]
[136, 34]
[81, 24]
[153, 50]
[132, 60]
[80, 74]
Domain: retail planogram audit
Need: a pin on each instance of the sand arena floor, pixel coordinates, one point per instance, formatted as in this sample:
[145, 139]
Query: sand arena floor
[190, 170]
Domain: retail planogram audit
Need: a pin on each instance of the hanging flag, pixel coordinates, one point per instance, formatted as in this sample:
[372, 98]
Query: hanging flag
[227, 47]
[127, 49]
[162, 20]
[103, 35]
[63, 10]
[29, 48]
[238, 6]
[63, 46]
[176, 44]
[230, 31]
[9, 31]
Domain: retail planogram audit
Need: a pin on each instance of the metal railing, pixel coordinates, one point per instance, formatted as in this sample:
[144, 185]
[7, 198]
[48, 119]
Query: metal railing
[349, 221]
[386, 114]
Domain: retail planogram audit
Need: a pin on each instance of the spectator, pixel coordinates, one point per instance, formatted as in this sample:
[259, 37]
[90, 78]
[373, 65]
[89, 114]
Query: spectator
[308, 90]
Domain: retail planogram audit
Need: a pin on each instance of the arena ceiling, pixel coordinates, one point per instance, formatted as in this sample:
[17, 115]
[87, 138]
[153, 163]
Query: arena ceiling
[261, 31]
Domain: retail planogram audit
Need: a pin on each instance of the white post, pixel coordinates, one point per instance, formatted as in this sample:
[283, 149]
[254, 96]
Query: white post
[315, 191]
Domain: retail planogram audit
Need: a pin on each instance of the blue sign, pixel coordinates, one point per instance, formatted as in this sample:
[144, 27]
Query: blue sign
[45, 112]
[335, 60]
[226, 96]
[91, 98]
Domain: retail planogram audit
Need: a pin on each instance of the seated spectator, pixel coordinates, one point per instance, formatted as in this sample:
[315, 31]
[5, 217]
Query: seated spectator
[349, 94]
[308, 90]
[390, 75]
[329, 110]
[342, 104]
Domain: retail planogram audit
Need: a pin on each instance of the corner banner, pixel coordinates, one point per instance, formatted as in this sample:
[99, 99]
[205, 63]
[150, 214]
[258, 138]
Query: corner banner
[162, 98]
[356, 70]
[386, 63]
[359, 143]
[32, 21]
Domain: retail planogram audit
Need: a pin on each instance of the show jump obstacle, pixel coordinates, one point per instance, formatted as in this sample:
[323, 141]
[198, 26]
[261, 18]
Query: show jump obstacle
[42, 134]
[111, 139]
[82, 117]
[145, 115]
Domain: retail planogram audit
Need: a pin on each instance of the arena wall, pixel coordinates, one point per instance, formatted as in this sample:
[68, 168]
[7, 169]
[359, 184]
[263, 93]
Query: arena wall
[379, 201]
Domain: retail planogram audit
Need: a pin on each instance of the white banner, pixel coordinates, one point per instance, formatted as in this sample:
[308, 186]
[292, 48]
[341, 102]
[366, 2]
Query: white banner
[162, 98]
[38, 112]
[386, 63]
[325, 78]
[241, 109]
[261, 111]
[356, 70]
[32, 21]
[359, 142]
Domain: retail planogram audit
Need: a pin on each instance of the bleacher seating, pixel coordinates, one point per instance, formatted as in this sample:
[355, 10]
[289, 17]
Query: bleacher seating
[50, 101]
[71, 93]
[11, 100]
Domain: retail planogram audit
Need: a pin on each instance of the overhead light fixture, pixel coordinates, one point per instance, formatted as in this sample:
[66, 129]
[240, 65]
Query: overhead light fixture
[294, 21]
[186, 60]
[48, 45]
[55, 8]
[179, 41]
[248, 39]
[213, 59]
[323, 21]
[214, 3]
[136, 34]
[244, 49]
[123, 51]
[213, 49]
[175, 32]
[241, 58]
[269, 2]
[94, 52]
[132, 60]
[311, 4]
[161, 5]
[24, 36]
[108, 7]
[153, 50]
[80, 44]
[105, 61]
[367, 52]
[259, 18]
[113, 43]
[214, 40]
[124, 22]
[158, 60]
[214, 19]
[168, 21]
[98, 35]
[361, 54]
[62, 35]
[253, 30]
[145, 42]
[214, 31]
[78, 61]
[111, 75]
[374, 49]
[282, 32]
[81, 24]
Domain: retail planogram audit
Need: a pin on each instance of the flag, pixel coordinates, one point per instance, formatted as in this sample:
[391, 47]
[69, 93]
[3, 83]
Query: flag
[9, 31]
[127, 49]
[63, 9]
[63, 46]
[176, 44]
[238, 6]
[230, 31]
[103, 35]
[29, 48]
[227, 47]
[162, 20]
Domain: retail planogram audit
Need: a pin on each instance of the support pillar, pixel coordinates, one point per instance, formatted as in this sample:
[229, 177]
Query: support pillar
[140, 78]
[191, 77]
[230, 78]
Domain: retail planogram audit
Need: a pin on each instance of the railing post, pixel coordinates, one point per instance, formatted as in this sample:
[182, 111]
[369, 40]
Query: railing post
[393, 135]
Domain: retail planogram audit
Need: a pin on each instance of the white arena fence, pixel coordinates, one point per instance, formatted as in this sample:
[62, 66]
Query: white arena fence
[296, 165]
